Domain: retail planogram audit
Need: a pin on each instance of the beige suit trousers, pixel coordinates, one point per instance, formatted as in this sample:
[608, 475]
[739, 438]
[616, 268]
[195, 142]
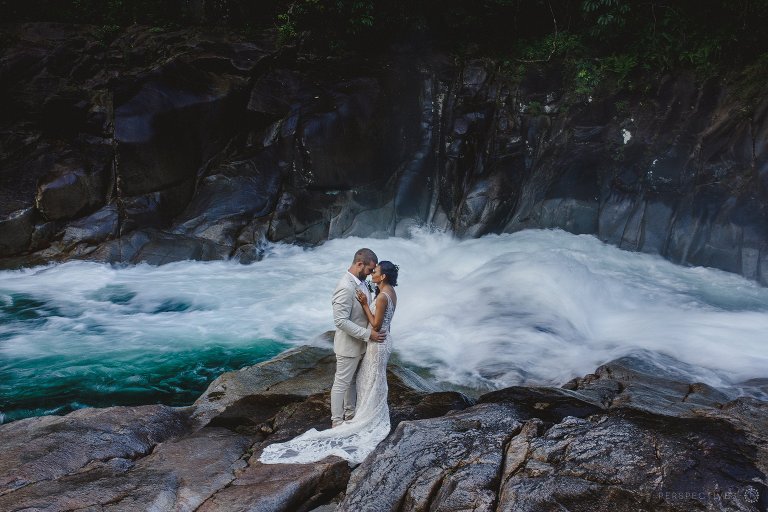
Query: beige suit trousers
[343, 391]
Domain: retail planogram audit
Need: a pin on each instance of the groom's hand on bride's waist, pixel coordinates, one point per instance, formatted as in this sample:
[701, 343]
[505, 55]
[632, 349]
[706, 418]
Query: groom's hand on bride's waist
[377, 336]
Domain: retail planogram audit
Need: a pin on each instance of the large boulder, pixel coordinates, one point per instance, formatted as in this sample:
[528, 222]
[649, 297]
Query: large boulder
[49, 447]
[177, 475]
[631, 436]
[72, 189]
[200, 457]
[16, 231]
[448, 463]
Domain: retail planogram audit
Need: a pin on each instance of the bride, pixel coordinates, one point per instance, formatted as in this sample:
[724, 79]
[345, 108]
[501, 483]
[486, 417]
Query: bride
[356, 438]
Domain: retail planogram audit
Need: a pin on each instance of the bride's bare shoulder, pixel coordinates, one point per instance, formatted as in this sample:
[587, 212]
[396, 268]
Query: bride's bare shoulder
[390, 292]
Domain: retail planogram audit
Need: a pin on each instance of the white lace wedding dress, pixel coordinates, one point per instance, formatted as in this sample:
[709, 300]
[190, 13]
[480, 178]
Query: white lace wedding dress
[354, 439]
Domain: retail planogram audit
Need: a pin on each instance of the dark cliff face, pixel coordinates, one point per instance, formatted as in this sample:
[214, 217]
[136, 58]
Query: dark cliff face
[161, 146]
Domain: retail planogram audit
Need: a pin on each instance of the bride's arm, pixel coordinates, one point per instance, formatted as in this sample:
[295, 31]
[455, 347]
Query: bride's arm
[377, 320]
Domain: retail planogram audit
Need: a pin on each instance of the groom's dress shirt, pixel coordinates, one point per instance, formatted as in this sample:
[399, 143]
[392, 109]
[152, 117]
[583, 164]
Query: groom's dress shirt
[357, 280]
[352, 330]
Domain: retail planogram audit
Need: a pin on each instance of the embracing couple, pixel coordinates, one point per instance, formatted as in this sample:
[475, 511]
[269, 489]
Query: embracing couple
[359, 412]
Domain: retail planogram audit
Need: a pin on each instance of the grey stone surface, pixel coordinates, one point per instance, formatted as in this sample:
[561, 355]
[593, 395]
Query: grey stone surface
[291, 376]
[177, 475]
[16, 231]
[447, 463]
[48, 447]
[631, 436]
[203, 141]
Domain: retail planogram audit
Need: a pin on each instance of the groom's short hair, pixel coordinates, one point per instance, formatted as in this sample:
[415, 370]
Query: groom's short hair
[366, 256]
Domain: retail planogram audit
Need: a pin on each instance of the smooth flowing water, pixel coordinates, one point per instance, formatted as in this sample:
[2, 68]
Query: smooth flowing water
[535, 307]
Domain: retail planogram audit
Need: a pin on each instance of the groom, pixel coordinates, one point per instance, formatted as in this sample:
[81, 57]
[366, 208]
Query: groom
[352, 333]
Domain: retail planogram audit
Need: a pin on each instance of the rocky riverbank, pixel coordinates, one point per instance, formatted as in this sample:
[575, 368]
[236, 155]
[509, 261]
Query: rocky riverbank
[628, 437]
[155, 145]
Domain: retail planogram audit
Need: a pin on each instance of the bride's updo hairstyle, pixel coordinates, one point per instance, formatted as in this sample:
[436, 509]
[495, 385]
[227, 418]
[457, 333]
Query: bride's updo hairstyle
[390, 270]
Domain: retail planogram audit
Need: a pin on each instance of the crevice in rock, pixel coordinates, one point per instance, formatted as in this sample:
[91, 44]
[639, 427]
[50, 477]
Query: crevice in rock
[619, 392]
[224, 487]
[435, 489]
[688, 393]
[503, 466]
[113, 501]
[659, 461]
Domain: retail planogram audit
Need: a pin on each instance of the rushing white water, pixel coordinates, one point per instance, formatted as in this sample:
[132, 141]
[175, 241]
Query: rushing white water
[535, 307]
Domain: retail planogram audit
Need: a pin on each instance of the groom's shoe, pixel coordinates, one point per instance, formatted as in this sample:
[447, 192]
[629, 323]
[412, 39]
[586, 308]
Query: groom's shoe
[349, 415]
[336, 423]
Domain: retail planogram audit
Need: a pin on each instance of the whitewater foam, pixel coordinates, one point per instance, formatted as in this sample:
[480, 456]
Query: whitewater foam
[534, 307]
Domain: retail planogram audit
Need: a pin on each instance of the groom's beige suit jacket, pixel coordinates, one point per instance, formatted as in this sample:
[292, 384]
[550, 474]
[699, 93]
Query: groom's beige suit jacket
[352, 329]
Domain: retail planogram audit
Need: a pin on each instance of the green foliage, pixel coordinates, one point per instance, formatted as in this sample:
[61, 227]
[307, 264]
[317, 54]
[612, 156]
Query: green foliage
[621, 36]
[620, 68]
[622, 107]
[326, 24]
[608, 15]
[703, 35]
[551, 45]
[702, 57]
[534, 108]
[587, 75]
[512, 70]
[360, 16]
[286, 29]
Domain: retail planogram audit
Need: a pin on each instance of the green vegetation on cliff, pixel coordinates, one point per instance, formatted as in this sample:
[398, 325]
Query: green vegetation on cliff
[598, 38]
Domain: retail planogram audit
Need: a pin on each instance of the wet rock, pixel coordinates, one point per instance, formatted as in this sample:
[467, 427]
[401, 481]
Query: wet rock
[602, 463]
[430, 406]
[139, 118]
[248, 253]
[631, 436]
[95, 228]
[628, 463]
[643, 383]
[252, 241]
[156, 209]
[177, 475]
[16, 232]
[282, 487]
[222, 205]
[166, 130]
[49, 447]
[548, 404]
[301, 217]
[168, 247]
[473, 77]
[71, 190]
[447, 463]
[366, 147]
[122, 249]
[291, 376]
[274, 91]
